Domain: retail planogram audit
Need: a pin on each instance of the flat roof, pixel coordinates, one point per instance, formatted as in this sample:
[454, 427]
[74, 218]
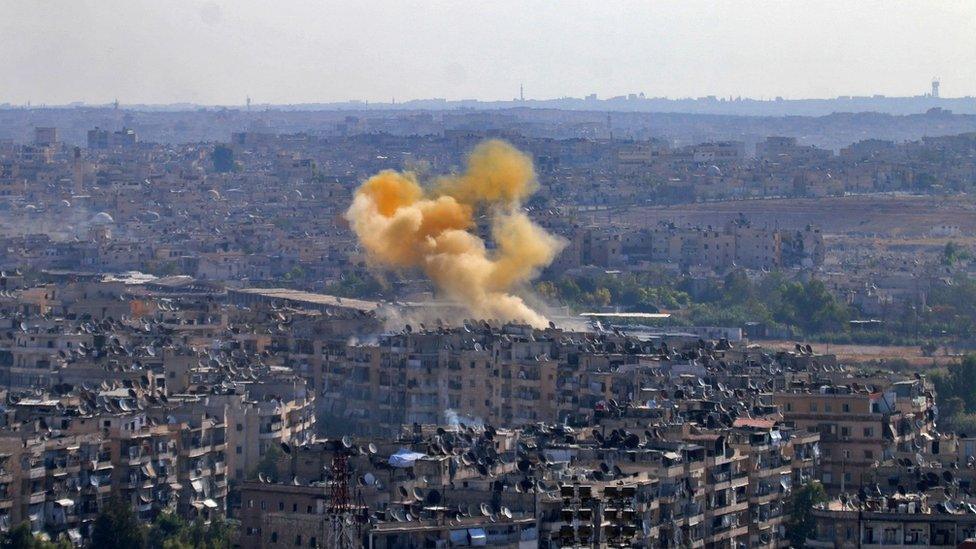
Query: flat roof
[628, 315]
[288, 294]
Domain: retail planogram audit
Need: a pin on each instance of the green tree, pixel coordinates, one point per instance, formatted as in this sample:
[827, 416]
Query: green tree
[801, 524]
[268, 466]
[959, 381]
[167, 526]
[223, 158]
[21, 537]
[118, 528]
[952, 253]
[171, 532]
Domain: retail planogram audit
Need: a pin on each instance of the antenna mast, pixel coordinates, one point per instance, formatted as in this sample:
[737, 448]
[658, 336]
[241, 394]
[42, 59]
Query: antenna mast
[346, 526]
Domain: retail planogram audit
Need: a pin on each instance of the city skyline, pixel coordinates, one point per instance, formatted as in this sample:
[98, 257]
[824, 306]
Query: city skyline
[210, 53]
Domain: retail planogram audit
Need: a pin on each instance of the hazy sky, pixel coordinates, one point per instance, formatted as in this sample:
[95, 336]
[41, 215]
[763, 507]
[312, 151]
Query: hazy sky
[217, 52]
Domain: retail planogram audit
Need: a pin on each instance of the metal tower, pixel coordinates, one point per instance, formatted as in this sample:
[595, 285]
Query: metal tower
[344, 531]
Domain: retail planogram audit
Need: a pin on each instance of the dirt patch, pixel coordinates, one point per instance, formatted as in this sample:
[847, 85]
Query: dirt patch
[851, 353]
[879, 214]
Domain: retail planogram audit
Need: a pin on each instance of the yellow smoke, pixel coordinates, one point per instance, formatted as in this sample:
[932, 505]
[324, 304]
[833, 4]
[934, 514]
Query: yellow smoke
[402, 225]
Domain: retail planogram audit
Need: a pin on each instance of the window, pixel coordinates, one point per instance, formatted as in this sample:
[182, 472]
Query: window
[281, 506]
[868, 454]
[869, 432]
[845, 431]
[827, 407]
[847, 477]
[789, 406]
[240, 427]
[239, 450]
[274, 537]
[298, 540]
[813, 406]
[264, 506]
[312, 542]
[846, 407]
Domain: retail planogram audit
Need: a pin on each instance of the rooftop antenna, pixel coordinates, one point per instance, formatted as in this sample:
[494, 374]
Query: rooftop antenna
[340, 505]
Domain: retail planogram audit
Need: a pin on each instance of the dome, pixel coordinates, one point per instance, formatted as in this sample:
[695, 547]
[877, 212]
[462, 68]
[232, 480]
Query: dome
[102, 218]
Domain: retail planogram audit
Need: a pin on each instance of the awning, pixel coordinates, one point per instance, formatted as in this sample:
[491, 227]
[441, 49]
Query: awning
[175, 486]
[197, 485]
[210, 503]
[147, 469]
[197, 504]
[65, 502]
[459, 537]
[478, 536]
[405, 458]
[74, 535]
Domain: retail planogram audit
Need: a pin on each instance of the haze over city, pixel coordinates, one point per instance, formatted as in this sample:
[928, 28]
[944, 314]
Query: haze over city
[437, 275]
[218, 53]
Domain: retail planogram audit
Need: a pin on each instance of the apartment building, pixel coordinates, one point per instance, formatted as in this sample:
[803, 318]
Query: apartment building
[860, 425]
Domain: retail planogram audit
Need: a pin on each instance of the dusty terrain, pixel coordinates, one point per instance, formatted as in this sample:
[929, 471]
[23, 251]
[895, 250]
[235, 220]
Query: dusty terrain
[878, 214]
[866, 353]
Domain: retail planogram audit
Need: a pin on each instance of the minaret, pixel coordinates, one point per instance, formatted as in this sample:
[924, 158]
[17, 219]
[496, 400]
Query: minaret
[78, 169]
[521, 92]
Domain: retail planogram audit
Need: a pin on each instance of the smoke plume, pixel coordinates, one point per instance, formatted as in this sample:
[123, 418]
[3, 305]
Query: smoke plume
[402, 224]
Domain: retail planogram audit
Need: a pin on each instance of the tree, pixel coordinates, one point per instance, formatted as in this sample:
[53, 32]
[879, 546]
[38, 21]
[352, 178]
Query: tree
[171, 532]
[166, 527]
[952, 253]
[268, 466]
[223, 158]
[801, 525]
[118, 528]
[21, 537]
[959, 382]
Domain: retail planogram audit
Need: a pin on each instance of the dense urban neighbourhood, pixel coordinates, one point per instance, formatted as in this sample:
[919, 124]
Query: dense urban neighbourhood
[195, 351]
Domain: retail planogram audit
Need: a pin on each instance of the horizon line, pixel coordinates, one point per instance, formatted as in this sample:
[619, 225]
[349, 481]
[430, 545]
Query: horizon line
[636, 97]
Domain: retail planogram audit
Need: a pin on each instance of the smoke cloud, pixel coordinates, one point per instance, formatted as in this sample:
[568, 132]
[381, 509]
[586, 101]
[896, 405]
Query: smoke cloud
[402, 224]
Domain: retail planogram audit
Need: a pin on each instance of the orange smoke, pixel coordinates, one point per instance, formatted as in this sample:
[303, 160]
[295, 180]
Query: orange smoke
[401, 225]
